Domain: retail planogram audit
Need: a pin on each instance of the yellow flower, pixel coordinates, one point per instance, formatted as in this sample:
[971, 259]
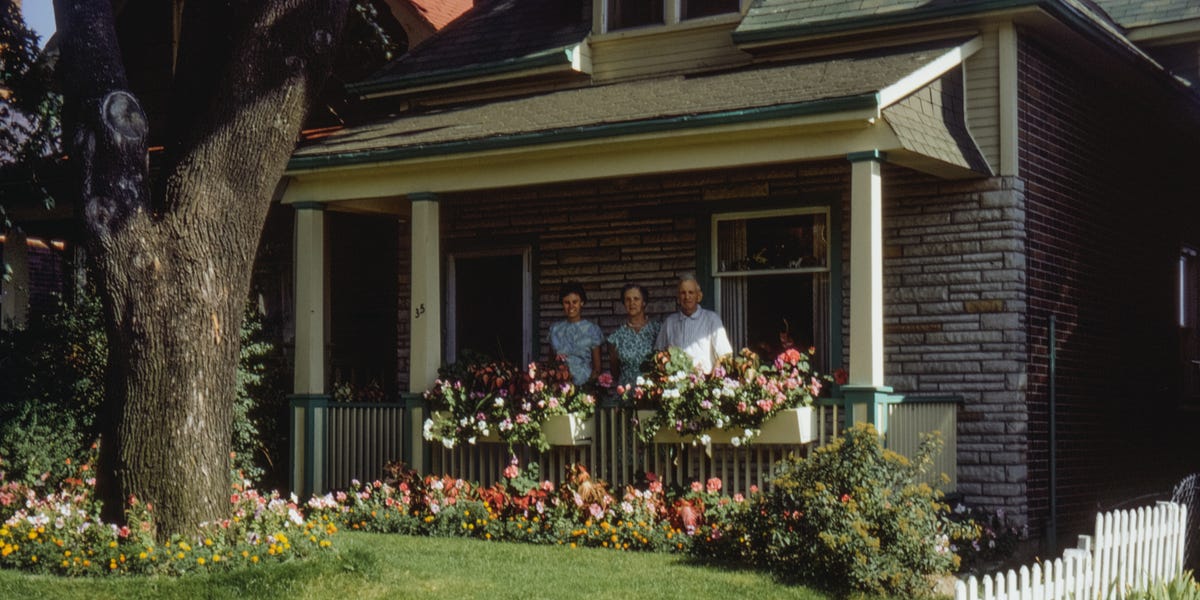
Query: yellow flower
[254, 559]
[142, 556]
[200, 561]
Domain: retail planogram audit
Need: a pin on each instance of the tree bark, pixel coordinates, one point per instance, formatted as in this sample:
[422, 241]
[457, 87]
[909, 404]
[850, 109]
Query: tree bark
[173, 266]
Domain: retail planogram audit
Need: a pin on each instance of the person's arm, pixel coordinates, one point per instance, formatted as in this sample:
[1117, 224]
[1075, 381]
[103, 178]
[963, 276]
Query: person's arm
[720, 343]
[595, 361]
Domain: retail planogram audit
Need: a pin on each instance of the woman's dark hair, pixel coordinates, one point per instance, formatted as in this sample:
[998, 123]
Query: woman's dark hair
[635, 286]
[572, 287]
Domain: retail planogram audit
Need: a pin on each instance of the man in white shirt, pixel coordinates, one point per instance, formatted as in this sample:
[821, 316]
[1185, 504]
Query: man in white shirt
[696, 330]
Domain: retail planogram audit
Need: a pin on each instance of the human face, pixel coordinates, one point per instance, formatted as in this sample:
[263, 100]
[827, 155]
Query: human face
[635, 305]
[689, 296]
[572, 307]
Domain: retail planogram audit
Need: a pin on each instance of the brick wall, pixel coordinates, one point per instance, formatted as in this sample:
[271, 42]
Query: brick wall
[607, 233]
[954, 309]
[1103, 212]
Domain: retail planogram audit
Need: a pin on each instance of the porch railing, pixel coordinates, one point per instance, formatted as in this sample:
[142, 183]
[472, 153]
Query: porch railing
[334, 443]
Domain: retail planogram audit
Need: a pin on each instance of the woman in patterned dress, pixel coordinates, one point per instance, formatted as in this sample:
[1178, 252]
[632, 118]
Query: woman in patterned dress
[633, 342]
[575, 340]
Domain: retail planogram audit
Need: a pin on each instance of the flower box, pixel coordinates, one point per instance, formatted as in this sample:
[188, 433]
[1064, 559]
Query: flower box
[560, 430]
[789, 426]
[568, 430]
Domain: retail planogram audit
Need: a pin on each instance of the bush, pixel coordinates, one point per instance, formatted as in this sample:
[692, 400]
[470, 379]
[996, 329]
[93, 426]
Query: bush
[853, 517]
[51, 389]
[1183, 587]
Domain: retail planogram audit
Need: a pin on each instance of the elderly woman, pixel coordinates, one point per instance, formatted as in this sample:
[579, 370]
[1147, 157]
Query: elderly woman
[633, 342]
[575, 340]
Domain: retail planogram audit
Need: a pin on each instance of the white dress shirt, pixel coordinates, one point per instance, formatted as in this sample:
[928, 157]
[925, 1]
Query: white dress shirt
[701, 335]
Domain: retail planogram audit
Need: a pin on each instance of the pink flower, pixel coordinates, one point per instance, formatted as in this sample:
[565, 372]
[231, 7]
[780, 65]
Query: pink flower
[739, 498]
[697, 487]
[713, 485]
[548, 487]
[656, 487]
[511, 471]
[596, 510]
[754, 489]
[605, 380]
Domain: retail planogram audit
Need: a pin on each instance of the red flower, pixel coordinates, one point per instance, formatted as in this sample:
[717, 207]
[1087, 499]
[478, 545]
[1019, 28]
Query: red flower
[840, 376]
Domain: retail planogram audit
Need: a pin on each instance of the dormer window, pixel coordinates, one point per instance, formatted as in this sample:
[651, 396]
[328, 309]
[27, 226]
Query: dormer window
[625, 14]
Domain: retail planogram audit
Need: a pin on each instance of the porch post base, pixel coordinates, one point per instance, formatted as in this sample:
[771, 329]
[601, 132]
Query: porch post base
[309, 424]
[868, 404]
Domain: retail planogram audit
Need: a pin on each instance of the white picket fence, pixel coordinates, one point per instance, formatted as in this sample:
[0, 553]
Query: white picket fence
[1131, 550]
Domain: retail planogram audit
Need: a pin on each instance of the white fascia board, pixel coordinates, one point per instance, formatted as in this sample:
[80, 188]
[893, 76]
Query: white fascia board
[928, 73]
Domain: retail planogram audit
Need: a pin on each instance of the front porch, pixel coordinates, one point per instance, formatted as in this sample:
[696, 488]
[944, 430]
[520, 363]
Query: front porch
[335, 443]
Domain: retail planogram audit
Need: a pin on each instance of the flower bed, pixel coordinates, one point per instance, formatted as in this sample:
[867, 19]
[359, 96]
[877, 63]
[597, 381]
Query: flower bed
[734, 404]
[484, 401]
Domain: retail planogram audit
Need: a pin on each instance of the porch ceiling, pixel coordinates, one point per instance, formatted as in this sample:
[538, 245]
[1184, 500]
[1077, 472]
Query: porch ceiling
[823, 108]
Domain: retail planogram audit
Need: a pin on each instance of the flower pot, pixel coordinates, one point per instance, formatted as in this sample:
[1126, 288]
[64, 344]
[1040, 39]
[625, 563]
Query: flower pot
[568, 430]
[789, 426]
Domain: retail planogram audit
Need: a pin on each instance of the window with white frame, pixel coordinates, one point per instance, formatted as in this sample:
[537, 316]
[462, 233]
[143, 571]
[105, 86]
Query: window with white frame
[771, 278]
[624, 14]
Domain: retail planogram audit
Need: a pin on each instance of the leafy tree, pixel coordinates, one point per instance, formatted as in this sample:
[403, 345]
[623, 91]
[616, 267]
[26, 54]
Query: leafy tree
[28, 107]
[173, 260]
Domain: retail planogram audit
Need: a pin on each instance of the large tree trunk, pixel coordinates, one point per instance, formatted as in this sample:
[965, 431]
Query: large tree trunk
[173, 265]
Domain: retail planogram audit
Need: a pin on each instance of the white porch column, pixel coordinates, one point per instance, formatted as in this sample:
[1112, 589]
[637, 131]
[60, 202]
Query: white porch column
[425, 315]
[865, 395]
[309, 401]
[425, 311]
[866, 270]
[311, 320]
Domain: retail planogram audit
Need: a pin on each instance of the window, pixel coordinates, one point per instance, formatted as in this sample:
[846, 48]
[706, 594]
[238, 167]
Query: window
[624, 14]
[489, 303]
[1186, 314]
[771, 272]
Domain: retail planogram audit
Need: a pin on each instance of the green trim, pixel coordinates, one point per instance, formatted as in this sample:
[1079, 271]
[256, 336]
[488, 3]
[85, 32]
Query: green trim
[923, 13]
[872, 155]
[311, 403]
[1084, 24]
[946, 399]
[308, 205]
[545, 58]
[587, 132]
[836, 301]
[423, 197]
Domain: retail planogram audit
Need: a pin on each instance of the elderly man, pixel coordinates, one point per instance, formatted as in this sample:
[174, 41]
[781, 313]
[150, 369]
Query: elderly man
[697, 331]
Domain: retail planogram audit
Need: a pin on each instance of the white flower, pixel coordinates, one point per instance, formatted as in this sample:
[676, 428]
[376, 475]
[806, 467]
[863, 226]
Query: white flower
[471, 440]
[448, 443]
[720, 423]
[736, 441]
[499, 401]
[705, 439]
[641, 381]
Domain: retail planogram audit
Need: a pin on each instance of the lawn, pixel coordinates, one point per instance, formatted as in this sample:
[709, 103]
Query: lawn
[396, 566]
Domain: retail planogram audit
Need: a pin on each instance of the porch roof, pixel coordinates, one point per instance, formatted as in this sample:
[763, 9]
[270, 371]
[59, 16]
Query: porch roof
[864, 91]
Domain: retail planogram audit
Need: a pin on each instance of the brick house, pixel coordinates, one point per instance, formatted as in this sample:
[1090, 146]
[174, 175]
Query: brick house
[923, 190]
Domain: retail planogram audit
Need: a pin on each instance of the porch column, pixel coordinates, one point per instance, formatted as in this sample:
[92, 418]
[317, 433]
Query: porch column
[14, 293]
[425, 309]
[865, 394]
[310, 401]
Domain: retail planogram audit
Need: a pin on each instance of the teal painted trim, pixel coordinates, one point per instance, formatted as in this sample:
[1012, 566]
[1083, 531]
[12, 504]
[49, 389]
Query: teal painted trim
[947, 399]
[927, 12]
[410, 402]
[308, 205]
[587, 132]
[546, 58]
[1082, 23]
[874, 155]
[875, 399]
[310, 403]
[423, 197]
[837, 357]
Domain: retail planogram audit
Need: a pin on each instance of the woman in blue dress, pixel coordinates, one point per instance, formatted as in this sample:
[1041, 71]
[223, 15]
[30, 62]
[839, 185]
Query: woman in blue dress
[633, 342]
[575, 340]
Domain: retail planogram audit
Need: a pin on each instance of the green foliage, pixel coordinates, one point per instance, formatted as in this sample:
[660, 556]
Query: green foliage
[996, 543]
[51, 389]
[739, 395]
[471, 401]
[29, 110]
[854, 517]
[1183, 587]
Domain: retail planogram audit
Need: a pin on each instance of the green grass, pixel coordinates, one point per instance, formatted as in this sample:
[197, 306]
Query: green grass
[395, 566]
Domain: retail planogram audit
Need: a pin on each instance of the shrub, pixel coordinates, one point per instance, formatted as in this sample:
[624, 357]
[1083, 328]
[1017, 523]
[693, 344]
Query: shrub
[51, 389]
[853, 517]
[996, 543]
[1183, 587]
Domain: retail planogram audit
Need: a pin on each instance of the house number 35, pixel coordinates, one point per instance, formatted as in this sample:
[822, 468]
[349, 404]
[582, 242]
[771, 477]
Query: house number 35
[420, 310]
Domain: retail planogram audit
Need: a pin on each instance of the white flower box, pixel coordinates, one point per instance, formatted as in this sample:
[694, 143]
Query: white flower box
[789, 426]
[568, 430]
